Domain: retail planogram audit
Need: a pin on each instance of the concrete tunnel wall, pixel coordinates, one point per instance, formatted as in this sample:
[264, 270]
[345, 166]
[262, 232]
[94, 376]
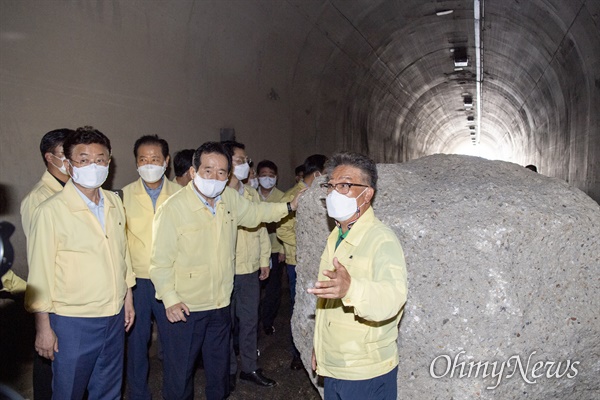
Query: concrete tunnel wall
[296, 77]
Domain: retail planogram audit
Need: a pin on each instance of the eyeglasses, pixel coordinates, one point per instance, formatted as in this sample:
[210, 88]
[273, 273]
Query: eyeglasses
[85, 162]
[342, 187]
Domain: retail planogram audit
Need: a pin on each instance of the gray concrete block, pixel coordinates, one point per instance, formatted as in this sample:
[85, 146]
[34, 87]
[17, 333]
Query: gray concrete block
[503, 266]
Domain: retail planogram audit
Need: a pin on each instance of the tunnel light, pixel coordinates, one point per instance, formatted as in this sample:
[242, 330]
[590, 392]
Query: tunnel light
[444, 12]
[460, 57]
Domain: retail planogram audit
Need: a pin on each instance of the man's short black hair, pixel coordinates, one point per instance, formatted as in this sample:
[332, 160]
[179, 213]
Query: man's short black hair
[314, 163]
[151, 140]
[182, 161]
[51, 140]
[299, 169]
[266, 164]
[211, 148]
[357, 160]
[231, 145]
[85, 135]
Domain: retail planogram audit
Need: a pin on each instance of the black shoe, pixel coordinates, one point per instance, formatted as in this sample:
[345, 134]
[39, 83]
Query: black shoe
[232, 382]
[258, 378]
[269, 330]
[296, 363]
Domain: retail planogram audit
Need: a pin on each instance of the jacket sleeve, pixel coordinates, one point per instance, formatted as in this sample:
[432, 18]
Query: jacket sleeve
[41, 253]
[251, 214]
[265, 246]
[164, 251]
[382, 297]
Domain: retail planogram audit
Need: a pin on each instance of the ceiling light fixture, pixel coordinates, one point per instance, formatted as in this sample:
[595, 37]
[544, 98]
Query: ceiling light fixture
[444, 12]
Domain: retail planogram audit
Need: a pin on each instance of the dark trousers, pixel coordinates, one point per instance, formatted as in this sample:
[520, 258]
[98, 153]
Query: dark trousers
[42, 378]
[382, 387]
[208, 331]
[90, 355]
[244, 314]
[138, 339]
[271, 301]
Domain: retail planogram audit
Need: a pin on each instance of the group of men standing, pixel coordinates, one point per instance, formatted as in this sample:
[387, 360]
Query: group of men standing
[192, 259]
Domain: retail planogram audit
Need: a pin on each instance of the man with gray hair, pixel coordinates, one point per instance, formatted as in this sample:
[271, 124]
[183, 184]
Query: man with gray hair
[361, 291]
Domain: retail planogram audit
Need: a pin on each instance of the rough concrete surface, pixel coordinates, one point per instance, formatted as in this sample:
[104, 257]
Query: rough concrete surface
[503, 266]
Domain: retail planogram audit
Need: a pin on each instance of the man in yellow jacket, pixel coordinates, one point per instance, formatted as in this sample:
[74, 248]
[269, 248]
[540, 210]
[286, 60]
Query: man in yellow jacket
[252, 253]
[361, 289]
[192, 268]
[80, 275]
[52, 182]
[313, 168]
[269, 304]
[141, 198]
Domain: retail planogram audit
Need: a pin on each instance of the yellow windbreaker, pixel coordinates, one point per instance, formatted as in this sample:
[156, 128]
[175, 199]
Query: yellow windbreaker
[253, 248]
[193, 251]
[47, 186]
[276, 196]
[286, 231]
[140, 214]
[75, 268]
[355, 337]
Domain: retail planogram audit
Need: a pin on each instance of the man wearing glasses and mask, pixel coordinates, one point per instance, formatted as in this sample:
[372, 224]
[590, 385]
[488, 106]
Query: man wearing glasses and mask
[361, 289]
[80, 275]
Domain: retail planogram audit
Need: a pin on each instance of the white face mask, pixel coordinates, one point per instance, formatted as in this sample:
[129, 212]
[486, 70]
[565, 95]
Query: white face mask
[267, 182]
[91, 176]
[241, 171]
[151, 173]
[341, 207]
[62, 167]
[253, 182]
[210, 188]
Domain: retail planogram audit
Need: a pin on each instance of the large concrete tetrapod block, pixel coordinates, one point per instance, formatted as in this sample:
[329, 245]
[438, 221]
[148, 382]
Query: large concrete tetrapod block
[503, 273]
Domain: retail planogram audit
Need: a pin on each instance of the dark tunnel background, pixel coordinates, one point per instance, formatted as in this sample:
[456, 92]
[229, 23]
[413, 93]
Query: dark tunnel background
[392, 84]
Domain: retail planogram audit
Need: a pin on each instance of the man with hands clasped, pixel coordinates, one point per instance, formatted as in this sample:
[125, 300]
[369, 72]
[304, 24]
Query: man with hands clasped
[192, 268]
[141, 198]
[361, 289]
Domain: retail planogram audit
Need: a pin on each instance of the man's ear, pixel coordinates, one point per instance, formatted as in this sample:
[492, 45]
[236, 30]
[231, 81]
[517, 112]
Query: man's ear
[191, 171]
[48, 157]
[369, 194]
[168, 160]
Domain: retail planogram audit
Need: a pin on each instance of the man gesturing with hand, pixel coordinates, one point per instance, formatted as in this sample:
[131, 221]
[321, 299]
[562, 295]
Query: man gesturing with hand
[361, 289]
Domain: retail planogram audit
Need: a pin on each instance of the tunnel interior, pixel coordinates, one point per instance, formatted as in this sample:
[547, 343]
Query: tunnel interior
[400, 80]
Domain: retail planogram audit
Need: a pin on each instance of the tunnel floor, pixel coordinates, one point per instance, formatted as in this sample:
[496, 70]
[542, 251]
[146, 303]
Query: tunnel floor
[17, 338]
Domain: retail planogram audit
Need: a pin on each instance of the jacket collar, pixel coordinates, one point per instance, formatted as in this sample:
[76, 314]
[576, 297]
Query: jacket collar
[139, 191]
[195, 203]
[76, 203]
[359, 229]
[53, 183]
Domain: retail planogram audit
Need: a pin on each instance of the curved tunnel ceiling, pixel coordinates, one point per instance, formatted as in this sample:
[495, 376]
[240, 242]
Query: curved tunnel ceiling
[387, 74]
